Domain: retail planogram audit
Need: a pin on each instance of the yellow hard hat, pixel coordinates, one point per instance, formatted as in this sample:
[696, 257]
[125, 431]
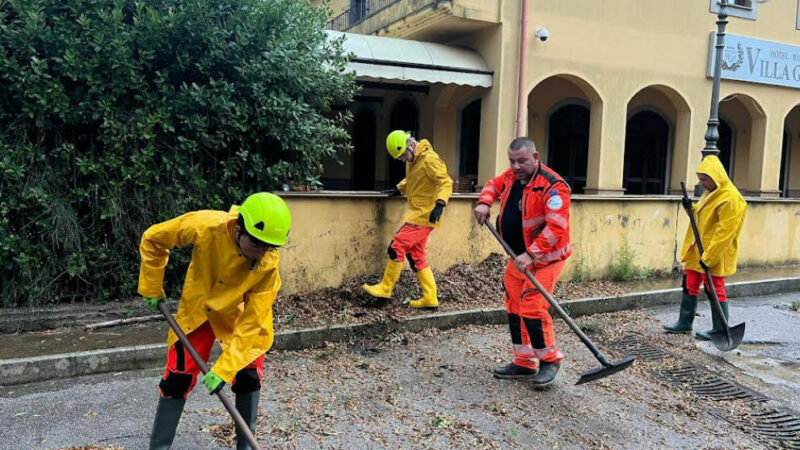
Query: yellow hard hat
[396, 143]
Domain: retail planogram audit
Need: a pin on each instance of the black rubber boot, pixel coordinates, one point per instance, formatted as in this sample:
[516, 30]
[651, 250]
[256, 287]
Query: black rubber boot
[168, 413]
[247, 405]
[547, 374]
[716, 323]
[686, 316]
[513, 371]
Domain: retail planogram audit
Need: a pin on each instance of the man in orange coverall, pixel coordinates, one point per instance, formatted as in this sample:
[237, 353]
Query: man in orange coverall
[534, 221]
[230, 286]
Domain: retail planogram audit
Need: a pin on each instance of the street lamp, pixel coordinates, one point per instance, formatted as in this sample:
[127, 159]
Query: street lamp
[712, 134]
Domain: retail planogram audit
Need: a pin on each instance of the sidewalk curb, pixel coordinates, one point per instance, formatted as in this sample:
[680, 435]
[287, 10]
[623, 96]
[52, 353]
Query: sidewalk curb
[43, 368]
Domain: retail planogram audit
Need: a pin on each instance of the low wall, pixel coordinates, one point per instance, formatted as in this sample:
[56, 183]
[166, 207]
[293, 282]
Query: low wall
[336, 236]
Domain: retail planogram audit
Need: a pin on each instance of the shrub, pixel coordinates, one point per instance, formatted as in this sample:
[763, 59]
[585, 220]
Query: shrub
[117, 114]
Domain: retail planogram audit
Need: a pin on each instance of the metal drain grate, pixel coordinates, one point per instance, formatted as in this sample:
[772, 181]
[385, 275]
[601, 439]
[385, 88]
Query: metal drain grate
[641, 350]
[779, 429]
[706, 384]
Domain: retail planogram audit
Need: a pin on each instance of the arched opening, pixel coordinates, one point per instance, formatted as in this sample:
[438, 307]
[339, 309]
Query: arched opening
[568, 144]
[647, 139]
[469, 139]
[783, 184]
[747, 122]
[790, 155]
[725, 145]
[364, 132]
[404, 116]
[564, 120]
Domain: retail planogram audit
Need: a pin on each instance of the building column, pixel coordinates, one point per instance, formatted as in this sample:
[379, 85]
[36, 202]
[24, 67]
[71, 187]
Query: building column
[606, 148]
[764, 162]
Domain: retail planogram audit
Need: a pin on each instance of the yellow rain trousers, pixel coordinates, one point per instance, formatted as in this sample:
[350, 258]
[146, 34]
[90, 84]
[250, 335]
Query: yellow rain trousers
[222, 287]
[426, 182]
[720, 215]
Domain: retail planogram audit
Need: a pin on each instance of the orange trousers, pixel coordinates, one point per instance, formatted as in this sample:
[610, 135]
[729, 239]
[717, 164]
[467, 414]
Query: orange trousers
[180, 374]
[410, 241]
[529, 321]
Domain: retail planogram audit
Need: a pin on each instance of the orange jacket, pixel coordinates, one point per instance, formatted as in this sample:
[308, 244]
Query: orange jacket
[234, 295]
[545, 212]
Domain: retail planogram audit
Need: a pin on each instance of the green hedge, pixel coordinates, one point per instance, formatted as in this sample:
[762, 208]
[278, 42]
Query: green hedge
[116, 114]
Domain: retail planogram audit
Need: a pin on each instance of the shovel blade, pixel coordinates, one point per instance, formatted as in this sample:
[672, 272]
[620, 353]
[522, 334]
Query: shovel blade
[602, 372]
[721, 341]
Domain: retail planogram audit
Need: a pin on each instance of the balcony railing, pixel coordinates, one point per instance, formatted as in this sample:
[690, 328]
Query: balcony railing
[358, 11]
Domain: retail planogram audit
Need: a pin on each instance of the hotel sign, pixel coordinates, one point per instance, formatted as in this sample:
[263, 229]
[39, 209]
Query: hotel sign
[757, 61]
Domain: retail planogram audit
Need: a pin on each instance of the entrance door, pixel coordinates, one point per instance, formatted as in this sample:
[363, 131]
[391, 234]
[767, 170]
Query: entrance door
[364, 130]
[646, 151]
[404, 117]
[568, 144]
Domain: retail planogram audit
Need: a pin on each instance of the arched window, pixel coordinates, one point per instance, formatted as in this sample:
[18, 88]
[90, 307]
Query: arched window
[404, 116]
[568, 144]
[363, 159]
[646, 151]
[469, 139]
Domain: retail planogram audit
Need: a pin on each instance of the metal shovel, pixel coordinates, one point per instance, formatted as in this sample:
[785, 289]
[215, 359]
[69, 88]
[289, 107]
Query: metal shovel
[608, 368]
[728, 338]
[237, 418]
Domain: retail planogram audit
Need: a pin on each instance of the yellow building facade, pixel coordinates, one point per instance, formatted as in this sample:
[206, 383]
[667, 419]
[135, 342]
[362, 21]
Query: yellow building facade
[616, 98]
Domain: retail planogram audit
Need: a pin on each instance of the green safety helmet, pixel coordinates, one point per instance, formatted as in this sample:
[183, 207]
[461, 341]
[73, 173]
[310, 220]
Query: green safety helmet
[396, 143]
[266, 217]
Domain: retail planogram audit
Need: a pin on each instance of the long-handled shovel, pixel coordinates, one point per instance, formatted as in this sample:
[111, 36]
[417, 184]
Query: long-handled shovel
[608, 368]
[237, 418]
[728, 338]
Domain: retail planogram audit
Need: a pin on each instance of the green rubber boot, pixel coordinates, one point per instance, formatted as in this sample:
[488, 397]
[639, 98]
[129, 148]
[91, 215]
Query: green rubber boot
[716, 323]
[247, 405]
[686, 316]
[168, 413]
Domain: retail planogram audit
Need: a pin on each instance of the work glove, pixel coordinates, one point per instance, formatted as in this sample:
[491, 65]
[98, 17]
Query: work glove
[436, 214]
[213, 382]
[704, 265]
[686, 202]
[152, 302]
[392, 192]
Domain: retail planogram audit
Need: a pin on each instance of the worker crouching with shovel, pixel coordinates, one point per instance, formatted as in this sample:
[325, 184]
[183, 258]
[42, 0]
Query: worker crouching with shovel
[534, 222]
[227, 296]
[720, 214]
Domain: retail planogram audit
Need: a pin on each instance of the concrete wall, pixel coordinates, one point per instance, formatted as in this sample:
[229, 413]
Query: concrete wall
[335, 237]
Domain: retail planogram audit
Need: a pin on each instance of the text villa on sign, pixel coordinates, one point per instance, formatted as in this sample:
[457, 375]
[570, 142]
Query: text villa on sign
[757, 61]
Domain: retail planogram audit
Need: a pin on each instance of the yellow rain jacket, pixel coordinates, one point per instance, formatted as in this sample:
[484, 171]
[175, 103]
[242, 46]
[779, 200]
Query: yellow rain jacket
[229, 291]
[426, 181]
[720, 216]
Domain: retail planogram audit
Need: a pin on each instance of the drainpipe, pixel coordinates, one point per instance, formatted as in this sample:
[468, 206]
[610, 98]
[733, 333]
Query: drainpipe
[523, 48]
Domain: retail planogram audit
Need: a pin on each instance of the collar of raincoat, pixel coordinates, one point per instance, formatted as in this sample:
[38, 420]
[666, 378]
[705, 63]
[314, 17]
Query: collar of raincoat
[233, 216]
[422, 147]
[712, 166]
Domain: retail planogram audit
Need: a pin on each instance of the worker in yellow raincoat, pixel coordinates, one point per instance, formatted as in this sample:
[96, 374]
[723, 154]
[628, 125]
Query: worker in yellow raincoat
[227, 296]
[720, 214]
[428, 188]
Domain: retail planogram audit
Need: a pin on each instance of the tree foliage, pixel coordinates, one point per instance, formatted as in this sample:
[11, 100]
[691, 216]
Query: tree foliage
[116, 114]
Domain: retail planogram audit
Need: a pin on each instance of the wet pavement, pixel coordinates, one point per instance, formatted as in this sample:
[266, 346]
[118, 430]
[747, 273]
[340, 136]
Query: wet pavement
[769, 354]
[429, 390]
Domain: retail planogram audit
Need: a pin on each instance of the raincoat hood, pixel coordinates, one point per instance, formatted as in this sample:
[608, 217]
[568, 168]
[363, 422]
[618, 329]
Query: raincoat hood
[720, 216]
[712, 167]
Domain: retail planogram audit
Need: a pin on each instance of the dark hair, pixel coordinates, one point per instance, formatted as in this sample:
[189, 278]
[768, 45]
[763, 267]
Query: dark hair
[520, 142]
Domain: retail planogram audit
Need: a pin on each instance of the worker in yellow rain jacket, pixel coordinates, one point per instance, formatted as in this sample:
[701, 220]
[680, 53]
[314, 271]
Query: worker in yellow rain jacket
[720, 215]
[227, 296]
[428, 188]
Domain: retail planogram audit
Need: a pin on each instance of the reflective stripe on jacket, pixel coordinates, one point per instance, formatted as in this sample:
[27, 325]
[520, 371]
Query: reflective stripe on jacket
[222, 287]
[545, 212]
[426, 182]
